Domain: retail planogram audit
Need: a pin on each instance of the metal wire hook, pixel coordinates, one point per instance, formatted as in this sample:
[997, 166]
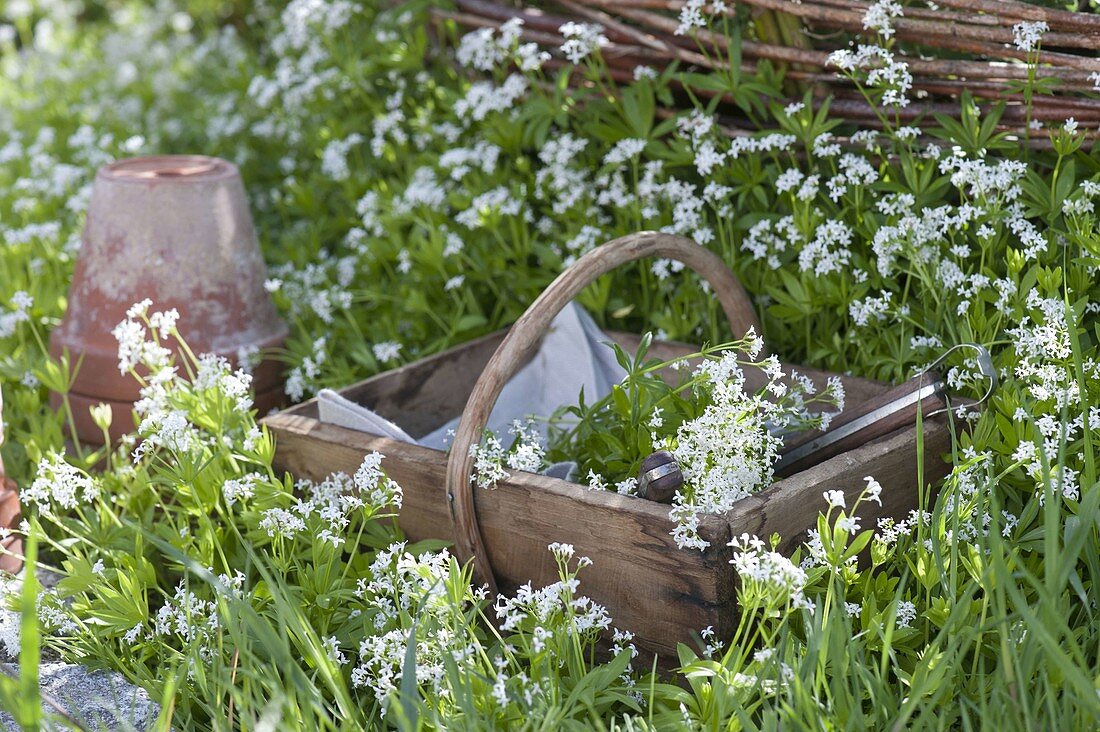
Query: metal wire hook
[985, 368]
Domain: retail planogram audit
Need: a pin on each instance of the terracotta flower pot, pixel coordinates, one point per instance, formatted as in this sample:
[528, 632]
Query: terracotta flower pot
[11, 558]
[175, 229]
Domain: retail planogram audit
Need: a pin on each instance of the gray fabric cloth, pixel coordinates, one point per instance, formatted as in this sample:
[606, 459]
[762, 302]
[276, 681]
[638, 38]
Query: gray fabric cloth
[573, 355]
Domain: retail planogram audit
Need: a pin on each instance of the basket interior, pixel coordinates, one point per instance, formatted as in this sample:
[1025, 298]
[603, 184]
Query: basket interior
[424, 395]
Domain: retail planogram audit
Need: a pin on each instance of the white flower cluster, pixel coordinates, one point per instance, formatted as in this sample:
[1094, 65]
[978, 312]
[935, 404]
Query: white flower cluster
[581, 40]
[328, 506]
[163, 423]
[556, 616]
[889, 530]
[9, 631]
[1045, 366]
[486, 49]
[134, 345]
[694, 14]
[880, 17]
[876, 67]
[1029, 34]
[58, 482]
[334, 158]
[386, 351]
[400, 583]
[767, 577]
[280, 522]
[768, 239]
[381, 491]
[527, 452]
[729, 451]
[490, 457]
[845, 520]
[499, 200]
[214, 372]
[239, 489]
[302, 375]
[624, 150]
[460, 161]
[55, 616]
[21, 304]
[547, 605]
[563, 179]
[870, 309]
[484, 97]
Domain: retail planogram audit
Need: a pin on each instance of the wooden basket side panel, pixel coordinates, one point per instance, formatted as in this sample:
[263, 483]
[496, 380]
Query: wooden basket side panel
[651, 587]
[790, 507]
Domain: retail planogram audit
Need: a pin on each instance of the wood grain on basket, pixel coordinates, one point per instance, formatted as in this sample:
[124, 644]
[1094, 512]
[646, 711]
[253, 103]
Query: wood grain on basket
[991, 67]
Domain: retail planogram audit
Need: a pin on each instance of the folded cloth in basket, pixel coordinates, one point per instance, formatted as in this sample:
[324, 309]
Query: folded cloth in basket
[573, 355]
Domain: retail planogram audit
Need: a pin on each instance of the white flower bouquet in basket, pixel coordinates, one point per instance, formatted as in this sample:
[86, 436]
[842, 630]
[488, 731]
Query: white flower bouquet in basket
[724, 435]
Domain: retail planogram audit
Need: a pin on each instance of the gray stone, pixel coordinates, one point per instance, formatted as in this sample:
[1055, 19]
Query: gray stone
[98, 700]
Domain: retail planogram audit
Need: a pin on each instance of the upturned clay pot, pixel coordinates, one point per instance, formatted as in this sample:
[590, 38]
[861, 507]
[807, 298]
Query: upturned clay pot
[11, 558]
[175, 229]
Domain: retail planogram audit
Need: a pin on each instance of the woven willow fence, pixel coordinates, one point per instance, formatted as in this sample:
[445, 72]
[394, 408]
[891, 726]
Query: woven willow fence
[953, 47]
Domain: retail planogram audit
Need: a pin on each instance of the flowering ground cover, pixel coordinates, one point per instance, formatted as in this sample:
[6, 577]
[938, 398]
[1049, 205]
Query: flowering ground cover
[416, 187]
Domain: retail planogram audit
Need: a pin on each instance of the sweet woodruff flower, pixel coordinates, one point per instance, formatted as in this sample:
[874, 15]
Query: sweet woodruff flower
[239, 489]
[879, 69]
[1028, 35]
[729, 451]
[400, 584]
[581, 40]
[58, 482]
[386, 351]
[767, 576]
[694, 14]
[21, 304]
[880, 16]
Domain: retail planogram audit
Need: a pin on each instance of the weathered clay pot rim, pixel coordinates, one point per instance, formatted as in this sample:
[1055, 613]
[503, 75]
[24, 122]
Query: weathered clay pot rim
[175, 168]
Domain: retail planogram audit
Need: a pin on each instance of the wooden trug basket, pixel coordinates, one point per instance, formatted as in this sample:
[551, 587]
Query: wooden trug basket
[662, 593]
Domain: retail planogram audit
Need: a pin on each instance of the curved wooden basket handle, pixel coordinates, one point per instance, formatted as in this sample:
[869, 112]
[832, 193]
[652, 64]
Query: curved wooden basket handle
[523, 340]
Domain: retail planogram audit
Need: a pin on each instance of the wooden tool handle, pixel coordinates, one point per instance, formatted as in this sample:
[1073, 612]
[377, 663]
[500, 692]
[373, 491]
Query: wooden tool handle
[870, 420]
[523, 339]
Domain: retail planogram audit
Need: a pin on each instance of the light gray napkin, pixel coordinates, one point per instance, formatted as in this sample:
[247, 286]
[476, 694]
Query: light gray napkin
[573, 355]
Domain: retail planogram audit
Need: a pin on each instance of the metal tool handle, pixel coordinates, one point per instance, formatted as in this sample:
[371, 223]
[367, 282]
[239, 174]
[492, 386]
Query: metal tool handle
[925, 393]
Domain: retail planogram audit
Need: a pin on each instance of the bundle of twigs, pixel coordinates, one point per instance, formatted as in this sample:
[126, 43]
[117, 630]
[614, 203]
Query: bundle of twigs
[954, 47]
